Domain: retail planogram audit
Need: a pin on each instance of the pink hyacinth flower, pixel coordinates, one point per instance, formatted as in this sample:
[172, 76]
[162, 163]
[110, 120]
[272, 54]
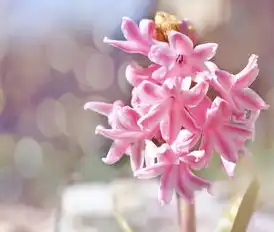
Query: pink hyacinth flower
[221, 134]
[169, 104]
[138, 39]
[136, 74]
[175, 171]
[106, 109]
[179, 58]
[235, 88]
[127, 136]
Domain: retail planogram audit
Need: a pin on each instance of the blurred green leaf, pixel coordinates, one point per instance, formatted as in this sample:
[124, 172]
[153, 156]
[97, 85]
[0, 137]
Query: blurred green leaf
[213, 171]
[123, 223]
[237, 218]
[247, 207]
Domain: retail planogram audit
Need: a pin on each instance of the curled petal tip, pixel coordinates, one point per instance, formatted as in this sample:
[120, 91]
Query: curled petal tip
[214, 47]
[162, 203]
[266, 106]
[104, 160]
[254, 56]
[107, 161]
[126, 18]
[98, 129]
[106, 39]
[87, 106]
[136, 173]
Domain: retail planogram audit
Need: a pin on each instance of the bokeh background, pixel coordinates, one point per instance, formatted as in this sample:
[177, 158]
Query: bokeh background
[52, 61]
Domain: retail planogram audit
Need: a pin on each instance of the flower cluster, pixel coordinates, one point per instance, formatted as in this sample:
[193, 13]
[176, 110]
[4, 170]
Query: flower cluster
[172, 126]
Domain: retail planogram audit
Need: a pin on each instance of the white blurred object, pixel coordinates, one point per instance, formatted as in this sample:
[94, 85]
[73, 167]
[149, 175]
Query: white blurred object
[87, 199]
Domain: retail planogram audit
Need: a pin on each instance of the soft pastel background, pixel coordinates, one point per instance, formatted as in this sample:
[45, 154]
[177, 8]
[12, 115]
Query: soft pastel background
[52, 61]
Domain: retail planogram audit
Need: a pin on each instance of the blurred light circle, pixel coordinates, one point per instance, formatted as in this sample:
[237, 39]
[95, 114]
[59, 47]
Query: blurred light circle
[79, 69]
[122, 81]
[97, 98]
[74, 107]
[47, 119]
[87, 122]
[86, 137]
[100, 71]
[60, 117]
[28, 157]
[61, 52]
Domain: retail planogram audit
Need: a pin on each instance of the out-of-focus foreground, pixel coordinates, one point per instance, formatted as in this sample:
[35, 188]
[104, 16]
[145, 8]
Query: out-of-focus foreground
[53, 60]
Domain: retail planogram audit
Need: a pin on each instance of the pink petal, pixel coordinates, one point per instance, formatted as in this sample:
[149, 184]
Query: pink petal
[212, 67]
[196, 94]
[136, 74]
[188, 122]
[199, 112]
[182, 187]
[196, 182]
[132, 75]
[175, 70]
[99, 107]
[130, 30]
[185, 141]
[155, 115]
[161, 55]
[118, 133]
[218, 113]
[171, 85]
[225, 147]
[225, 79]
[115, 153]
[160, 74]
[248, 75]
[128, 117]
[181, 43]
[197, 67]
[237, 131]
[167, 185]
[150, 93]
[171, 126]
[166, 155]
[248, 99]
[186, 83]
[194, 159]
[207, 146]
[147, 28]
[205, 51]
[137, 155]
[128, 46]
[150, 153]
[150, 172]
[202, 76]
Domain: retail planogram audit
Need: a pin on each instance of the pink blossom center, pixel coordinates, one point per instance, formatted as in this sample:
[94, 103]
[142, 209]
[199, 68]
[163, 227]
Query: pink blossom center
[179, 59]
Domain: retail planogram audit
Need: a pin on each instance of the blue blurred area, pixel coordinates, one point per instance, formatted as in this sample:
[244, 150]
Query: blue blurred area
[38, 18]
